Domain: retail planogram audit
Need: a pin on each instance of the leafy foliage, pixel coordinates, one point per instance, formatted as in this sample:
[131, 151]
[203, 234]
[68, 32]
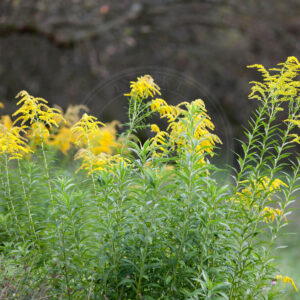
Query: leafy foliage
[148, 221]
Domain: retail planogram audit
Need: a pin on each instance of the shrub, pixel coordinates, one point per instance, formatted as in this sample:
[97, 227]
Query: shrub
[146, 220]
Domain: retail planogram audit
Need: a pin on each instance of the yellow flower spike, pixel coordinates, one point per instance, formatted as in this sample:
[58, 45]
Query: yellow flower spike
[262, 69]
[184, 103]
[296, 138]
[261, 187]
[276, 184]
[181, 119]
[1, 105]
[12, 143]
[104, 139]
[61, 140]
[143, 88]
[98, 143]
[155, 128]
[166, 111]
[85, 127]
[281, 85]
[295, 122]
[286, 279]
[37, 133]
[200, 104]
[6, 121]
[93, 163]
[270, 214]
[159, 142]
[157, 104]
[35, 110]
[72, 113]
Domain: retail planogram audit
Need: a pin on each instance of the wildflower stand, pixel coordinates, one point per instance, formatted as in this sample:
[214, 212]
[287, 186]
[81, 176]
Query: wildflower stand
[146, 220]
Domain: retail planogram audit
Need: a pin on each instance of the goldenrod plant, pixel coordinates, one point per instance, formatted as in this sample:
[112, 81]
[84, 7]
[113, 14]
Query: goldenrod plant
[130, 220]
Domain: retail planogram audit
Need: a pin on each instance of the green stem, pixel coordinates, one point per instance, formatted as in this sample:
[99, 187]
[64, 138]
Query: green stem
[245, 227]
[47, 174]
[144, 254]
[10, 198]
[186, 217]
[65, 261]
[275, 232]
[27, 202]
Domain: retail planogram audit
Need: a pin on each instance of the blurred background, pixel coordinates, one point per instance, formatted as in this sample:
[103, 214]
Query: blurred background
[62, 50]
[87, 51]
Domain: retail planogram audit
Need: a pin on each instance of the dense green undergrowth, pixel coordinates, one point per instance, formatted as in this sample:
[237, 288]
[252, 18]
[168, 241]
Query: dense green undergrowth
[147, 221]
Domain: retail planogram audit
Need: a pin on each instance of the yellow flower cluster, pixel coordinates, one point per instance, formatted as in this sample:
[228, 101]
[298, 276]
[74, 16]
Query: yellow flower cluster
[62, 137]
[295, 136]
[160, 141]
[97, 143]
[6, 121]
[86, 127]
[274, 186]
[281, 86]
[263, 186]
[286, 279]
[295, 122]
[101, 139]
[37, 133]
[184, 119]
[271, 213]
[72, 114]
[104, 140]
[143, 88]
[166, 111]
[53, 128]
[93, 163]
[35, 110]
[12, 143]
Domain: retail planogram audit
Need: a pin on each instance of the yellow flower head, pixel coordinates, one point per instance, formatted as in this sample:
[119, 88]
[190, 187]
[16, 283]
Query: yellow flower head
[35, 110]
[143, 88]
[104, 139]
[61, 139]
[281, 85]
[12, 143]
[159, 144]
[263, 188]
[294, 122]
[72, 114]
[195, 121]
[155, 128]
[296, 138]
[270, 214]
[1, 105]
[38, 132]
[86, 127]
[286, 279]
[93, 163]
[6, 121]
[184, 119]
[165, 111]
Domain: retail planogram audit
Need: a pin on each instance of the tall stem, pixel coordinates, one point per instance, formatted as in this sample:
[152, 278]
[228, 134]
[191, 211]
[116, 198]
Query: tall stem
[10, 198]
[27, 202]
[65, 268]
[47, 174]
